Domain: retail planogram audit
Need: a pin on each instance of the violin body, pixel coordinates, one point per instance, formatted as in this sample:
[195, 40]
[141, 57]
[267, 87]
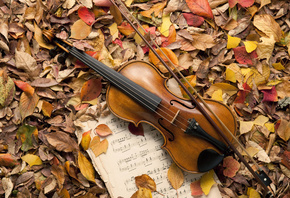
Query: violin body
[172, 116]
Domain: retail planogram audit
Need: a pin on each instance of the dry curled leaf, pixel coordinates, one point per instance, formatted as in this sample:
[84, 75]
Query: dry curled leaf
[145, 181]
[62, 141]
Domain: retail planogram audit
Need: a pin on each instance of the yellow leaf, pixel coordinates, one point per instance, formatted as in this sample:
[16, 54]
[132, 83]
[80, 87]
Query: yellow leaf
[237, 70]
[207, 181]
[86, 139]
[46, 108]
[128, 2]
[225, 87]
[253, 193]
[245, 126]
[230, 75]
[137, 38]
[274, 82]
[233, 42]
[80, 30]
[166, 23]
[257, 77]
[261, 120]
[145, 181]
[245, 71]
[278, 66]
[114, 31]
[270, 127]
[217, 95]
[86, 167]
[251, 150]
[142, 193]
[154, 10]
[31, 159]
[169, 53]
[250, 45]
[175, 176]
[98, 147]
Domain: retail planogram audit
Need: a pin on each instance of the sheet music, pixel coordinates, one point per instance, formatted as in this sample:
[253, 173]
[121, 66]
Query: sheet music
[129, 156]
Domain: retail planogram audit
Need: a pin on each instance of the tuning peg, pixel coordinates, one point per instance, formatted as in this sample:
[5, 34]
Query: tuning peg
[53, 52]
[62, 57]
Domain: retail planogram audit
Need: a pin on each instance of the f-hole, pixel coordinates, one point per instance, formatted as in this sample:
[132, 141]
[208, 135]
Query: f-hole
[193, 105]
[172, 135]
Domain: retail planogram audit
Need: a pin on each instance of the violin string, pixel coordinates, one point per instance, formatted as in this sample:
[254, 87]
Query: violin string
[136, 90]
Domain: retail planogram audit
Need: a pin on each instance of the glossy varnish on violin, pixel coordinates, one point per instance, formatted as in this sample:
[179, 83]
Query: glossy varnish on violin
[171, 117]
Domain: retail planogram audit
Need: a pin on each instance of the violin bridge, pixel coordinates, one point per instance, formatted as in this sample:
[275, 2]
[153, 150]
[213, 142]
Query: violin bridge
[174, 118]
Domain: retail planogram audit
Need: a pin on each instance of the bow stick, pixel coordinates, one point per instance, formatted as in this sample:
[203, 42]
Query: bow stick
[260, 176]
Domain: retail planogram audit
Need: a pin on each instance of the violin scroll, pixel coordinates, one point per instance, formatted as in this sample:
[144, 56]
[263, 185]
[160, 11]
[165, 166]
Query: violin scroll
[48, 35]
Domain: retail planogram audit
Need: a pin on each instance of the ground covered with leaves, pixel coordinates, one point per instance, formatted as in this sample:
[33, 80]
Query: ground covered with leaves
[233, 51]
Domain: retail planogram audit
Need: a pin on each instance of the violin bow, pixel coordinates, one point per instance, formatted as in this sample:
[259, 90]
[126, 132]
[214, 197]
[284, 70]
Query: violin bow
[260, 175]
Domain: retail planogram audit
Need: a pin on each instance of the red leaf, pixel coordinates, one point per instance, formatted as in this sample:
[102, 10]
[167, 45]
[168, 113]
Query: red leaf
[91, 89]
[270, 95]
[200, 7]
[195, 188]
[7, 160]
[171, 37]
[231, 166]
[243, 3]
[136, 130]
[193, 20]
[242, 94]
[86, 15]
[103, 130]
[24, 86]
[118, 42]
[243, 57]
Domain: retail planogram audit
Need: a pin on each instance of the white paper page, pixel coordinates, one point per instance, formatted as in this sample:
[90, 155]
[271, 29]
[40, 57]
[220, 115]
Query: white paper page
[129, 156]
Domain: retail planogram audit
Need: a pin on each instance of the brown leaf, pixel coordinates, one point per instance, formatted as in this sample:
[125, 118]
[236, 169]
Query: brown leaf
[26, 62]
[284, 130]
[7, 90]
[62, 141]
[91, 89]
[145, 181]
[86, 167]
[202, 41]
[116, 14]
[27, 104]
[103, 130]
[58, 172]
[98, 147]
[7, 160]
[142, 193]
[80, 30]
[175, 176]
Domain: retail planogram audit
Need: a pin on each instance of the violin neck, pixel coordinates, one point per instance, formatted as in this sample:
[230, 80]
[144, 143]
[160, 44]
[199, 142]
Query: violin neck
[130, 88]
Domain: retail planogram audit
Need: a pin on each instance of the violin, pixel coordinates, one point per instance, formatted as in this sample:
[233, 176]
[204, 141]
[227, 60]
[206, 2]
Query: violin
[197, 133]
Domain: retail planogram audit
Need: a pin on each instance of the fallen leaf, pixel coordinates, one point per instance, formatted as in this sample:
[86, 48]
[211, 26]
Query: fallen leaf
[102, 3]
[200, 7]
[136, 130]
[145, 181]
[286, 159]
[255, 76]
[27, 104]
[86, 140]
[230, 75]
[284, 130]
[252, 193]
[250, 45]
[7, 90]
[142, 193]
[7, 185]
[233, 42]
[125, 28]
[86, 167]
[246, 126]
[270, 95]
[175, 176]
[31, 159]
[243, 3]
[116, 14]
[171, 37]
[46, 108]
[243, 57]
[91, 89]
[278, 66]
[58, 172]
[266, 47]
[62, 141]
[103, 130]
[217, 95]
[267, 24]
[155, 10]
[193, 20]
[169, 53]
[166, 23]
[261, 120]
[202, 41]
[98, 147]
[86, 15]
[114, 31]
[225, 87]
[27, 133]
[192, 81]
[231, 166]
[195, 188]
[26, 62]
[261, 155]
[80, 30]
[207, 181]
[24, 86]
[7, 159]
